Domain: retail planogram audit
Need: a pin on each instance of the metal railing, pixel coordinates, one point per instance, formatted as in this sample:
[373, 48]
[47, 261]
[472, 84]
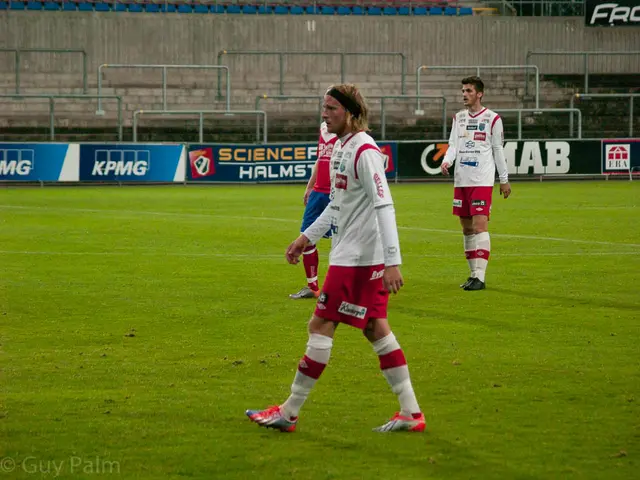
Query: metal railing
[382, 98]
[18, 60]
[544, 8]
[164, 68]
[630, 96]
[519, 111]
[201, 114]
[53, 97]
[483, 67]
[586, 55]
[342, 55]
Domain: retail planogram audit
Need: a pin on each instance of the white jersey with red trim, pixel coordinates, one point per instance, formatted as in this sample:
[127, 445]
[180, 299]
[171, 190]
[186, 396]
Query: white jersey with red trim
[358, 186]
[475, 144]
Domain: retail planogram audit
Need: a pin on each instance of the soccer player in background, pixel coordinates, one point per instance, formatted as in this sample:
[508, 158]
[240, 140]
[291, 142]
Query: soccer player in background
[364, 266]
[475, 144]
[316, 198]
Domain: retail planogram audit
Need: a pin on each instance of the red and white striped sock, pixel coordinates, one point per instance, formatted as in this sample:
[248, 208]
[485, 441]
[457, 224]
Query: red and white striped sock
[469, 252]
[310, 368]
[311, 261]
[395, 370]
[483, 250]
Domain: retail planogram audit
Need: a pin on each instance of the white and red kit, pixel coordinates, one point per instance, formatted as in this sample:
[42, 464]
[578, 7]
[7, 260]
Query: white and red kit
[365, 236]
[475, 146]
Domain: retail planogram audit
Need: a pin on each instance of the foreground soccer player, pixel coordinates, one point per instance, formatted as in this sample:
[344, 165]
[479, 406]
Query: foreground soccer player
[364, 266]
[316, 199]
[476, 144]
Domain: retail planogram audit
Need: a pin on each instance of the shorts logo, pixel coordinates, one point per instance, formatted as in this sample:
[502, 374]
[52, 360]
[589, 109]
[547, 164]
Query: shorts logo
[323, 298]
[377, 275]
[480, 136]
[379, 187]
[352, 310]
[478, 203]
[457, 202]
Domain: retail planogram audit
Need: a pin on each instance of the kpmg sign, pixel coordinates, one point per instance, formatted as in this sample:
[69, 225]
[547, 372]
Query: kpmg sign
[617, 13]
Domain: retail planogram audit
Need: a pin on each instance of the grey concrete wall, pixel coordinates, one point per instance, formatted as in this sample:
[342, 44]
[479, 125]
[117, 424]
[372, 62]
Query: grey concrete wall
[191, 38]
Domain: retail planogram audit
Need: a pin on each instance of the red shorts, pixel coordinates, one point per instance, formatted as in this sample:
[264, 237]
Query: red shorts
[470, 201]
[353, 295]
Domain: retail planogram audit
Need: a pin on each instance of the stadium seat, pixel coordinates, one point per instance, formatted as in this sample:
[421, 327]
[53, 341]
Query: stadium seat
[200, 8]
[217, 9]
[233, 9]
[389, 11]
[310, 10]
[249, 9]
[342, 10]
[31, 5]
[3, 5]
[327, 10]
[17, 5]
[135, 7]
[419, 10]
[85, 7]
[153, 8]
[120, 7]
[435, 11]
[466, 11]
[451, 11]
[374, 11]
[102, 7]
[51, 6]
[264, 9]
[69, 7]
[357, 10]
[404, 11]
[295, 10]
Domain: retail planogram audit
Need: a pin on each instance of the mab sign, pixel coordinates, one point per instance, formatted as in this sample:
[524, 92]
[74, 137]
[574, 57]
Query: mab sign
[618, 13]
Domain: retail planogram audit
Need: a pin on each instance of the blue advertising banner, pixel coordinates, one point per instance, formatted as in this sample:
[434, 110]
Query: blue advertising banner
[38, 162]
[263, 163]
[133, 162]
[621, 156]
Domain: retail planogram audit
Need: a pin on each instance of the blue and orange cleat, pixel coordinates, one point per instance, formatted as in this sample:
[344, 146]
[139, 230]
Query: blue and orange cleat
[272, 417]
[400, 423]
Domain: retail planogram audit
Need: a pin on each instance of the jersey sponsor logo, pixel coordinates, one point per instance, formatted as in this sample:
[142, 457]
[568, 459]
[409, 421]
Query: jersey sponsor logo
[457, 202]
[325, 150]
[472, 121]
[352, 310]
[375, 275]
[469, 162]
[482, 126]
[478, 203]
[472, 127]
[617, 156]
[201, 163]
[469, 144]
[379, 188]
[480, 136]
[341, 181]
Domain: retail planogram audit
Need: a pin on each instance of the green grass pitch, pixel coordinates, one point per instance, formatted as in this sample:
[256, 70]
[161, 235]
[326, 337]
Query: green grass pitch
[138, 323]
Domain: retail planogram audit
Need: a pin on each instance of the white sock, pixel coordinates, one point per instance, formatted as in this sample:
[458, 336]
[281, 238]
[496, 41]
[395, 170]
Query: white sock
[469, 252]
[483, 250]
[309, 370]
[395, 370]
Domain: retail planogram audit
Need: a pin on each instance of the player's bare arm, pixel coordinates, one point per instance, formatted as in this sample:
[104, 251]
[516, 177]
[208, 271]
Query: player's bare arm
[505, 190]
[444, 168]
[392, 279]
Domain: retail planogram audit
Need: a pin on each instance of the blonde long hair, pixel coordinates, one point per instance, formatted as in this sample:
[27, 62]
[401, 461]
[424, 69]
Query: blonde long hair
[361, 122]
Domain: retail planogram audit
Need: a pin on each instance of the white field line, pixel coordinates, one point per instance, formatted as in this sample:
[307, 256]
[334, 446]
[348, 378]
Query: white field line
[287, 220]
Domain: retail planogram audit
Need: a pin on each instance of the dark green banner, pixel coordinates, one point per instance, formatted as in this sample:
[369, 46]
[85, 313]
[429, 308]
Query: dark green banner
[525, 157]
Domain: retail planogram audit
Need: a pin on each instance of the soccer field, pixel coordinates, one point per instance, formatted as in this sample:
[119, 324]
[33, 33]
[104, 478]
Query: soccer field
[138, 323]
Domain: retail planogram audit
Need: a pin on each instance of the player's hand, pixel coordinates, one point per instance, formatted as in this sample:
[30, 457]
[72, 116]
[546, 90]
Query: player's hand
[295, 249]
[505, 190]
[444, 168]
[305, 199]
[392, 279]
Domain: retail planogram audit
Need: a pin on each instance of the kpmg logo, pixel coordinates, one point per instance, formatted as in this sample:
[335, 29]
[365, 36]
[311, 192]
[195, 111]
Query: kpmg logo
[621, 13]
[16, 162]
[121, 163]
